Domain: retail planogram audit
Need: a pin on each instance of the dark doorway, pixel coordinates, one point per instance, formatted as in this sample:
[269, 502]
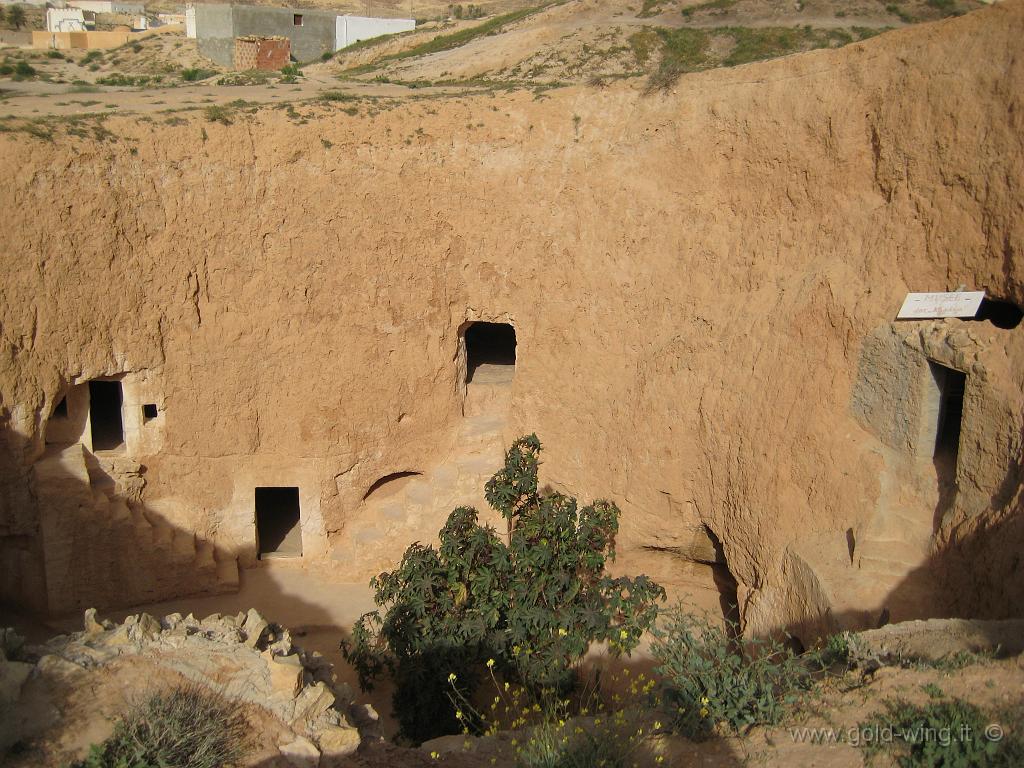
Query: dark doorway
[950, 384]
[105, 415]
[61, 409]
[278, 533]
[490, 350]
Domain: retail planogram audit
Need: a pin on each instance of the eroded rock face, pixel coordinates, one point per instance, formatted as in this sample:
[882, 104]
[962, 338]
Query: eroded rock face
[703, 285]
[241, 657]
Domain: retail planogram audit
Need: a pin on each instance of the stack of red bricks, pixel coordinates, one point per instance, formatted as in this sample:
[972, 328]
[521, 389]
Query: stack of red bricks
[268, 53]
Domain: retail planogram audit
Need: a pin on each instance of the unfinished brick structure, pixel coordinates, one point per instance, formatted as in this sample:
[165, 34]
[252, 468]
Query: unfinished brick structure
[267, 53]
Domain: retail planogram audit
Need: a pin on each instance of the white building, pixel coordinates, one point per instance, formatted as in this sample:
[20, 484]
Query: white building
[190, 20]
[352, 29]
[107, 6]
[65, 20]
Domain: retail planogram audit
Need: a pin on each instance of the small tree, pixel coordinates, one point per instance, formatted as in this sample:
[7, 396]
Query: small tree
[531, 604]
[16, 16]
[3, 15]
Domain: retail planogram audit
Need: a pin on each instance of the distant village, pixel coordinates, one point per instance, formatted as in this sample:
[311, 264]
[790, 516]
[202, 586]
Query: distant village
[241, 37]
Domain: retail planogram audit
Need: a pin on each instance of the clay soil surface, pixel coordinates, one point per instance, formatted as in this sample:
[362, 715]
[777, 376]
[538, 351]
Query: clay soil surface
[536, 46]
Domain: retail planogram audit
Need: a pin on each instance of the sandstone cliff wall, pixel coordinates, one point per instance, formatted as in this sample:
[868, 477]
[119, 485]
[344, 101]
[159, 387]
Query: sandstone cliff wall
[692, 278]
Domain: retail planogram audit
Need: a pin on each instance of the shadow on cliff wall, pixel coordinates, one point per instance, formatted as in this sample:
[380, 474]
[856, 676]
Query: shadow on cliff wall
[977, 573]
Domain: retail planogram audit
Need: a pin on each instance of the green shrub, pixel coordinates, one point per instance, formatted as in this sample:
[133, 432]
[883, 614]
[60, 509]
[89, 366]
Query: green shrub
[942, 734]
[129, 81]
[185, 727]
[54, 55]
[16, 16]
[533, 603]
[682, 50]
[23, 69]
[711, 678]
[219, 113]
[193, 74]
[291, 70]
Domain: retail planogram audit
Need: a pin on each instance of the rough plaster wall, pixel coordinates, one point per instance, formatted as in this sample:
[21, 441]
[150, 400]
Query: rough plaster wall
[887, 397]
[691, 277]
[309, 41]
[215, 33]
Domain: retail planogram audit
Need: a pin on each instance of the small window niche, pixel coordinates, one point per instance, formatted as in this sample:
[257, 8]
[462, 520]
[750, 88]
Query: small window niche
[297, 20]
[490, 353]
[105, 415]
[278, 529]
[149, 412]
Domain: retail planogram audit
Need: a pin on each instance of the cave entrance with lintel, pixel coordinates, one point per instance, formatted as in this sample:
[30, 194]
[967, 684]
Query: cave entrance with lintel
[105, 399]
[278, 529]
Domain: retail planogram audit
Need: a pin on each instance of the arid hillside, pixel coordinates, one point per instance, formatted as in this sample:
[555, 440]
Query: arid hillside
[702, 281]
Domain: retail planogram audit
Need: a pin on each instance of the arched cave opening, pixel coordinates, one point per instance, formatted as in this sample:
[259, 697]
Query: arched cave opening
[105, 415]
[278, 532]
[490, 352]
[1002, 314]
[390, 483]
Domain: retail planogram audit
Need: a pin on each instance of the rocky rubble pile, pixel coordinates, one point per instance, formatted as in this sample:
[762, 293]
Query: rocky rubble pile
[244, 657]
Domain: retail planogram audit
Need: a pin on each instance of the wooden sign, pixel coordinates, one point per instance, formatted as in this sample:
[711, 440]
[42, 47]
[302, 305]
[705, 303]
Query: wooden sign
[924, 305]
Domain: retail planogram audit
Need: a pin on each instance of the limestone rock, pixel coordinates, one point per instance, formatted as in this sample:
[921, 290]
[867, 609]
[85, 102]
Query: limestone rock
[285, 674]
[254, 626]
[338, 741]
[936, 639]
[301, 753]
[313, 701]
[92, 626]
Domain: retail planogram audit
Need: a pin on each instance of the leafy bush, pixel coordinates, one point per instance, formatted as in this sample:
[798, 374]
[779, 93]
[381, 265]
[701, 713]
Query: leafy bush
[16, 16]
[193, 74]
[533, 603]
[187, 727]
[946, 734]
[129, 81]
[23, 69]
[291, 70]
[711, 678]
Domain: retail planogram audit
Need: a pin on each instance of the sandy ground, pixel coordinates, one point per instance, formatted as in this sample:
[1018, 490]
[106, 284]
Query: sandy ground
[37, 98]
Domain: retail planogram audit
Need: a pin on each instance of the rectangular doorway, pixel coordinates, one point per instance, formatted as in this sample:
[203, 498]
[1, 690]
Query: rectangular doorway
[949, 388]
[278, 529]
[105, 415]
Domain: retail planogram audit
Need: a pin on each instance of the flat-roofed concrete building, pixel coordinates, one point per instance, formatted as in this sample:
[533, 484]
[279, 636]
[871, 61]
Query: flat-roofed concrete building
[311, 33]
